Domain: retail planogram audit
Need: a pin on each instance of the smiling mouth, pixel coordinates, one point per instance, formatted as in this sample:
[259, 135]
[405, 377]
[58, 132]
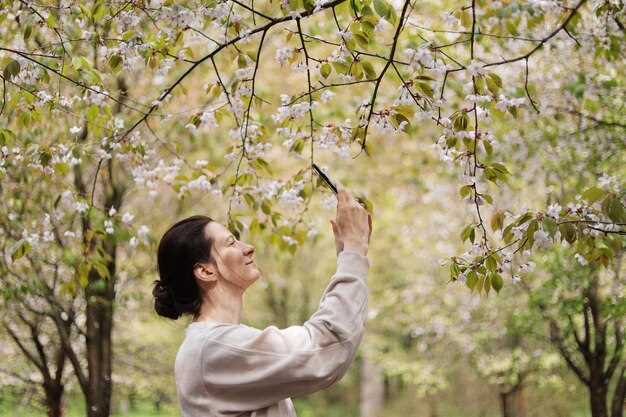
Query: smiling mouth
[249, 263]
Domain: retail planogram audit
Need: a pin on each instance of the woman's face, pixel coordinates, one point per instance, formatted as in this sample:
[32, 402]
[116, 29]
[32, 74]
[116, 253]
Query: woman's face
[234, 259]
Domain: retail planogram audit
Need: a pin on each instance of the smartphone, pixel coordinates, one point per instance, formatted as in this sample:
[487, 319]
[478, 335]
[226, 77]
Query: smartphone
[325, 178]
[361, 200]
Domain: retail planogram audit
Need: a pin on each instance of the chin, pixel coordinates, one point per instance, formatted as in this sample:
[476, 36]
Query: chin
[255, 274]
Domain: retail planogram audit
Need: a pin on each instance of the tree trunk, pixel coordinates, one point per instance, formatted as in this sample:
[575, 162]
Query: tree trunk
[512, 402]
[372, 388]
[619, 395]
[100, 295]
[54, 400]
[597, 397]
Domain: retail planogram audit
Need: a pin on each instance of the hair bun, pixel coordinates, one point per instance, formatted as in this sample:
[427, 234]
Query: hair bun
[164, 302]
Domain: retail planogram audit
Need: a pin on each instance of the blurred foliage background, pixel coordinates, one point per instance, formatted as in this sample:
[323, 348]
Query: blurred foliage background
[89, 127]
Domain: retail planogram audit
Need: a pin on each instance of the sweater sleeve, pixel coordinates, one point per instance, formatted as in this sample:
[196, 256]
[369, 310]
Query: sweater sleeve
[246, 369]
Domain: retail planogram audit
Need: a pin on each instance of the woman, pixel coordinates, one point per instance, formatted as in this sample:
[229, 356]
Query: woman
[225, 368]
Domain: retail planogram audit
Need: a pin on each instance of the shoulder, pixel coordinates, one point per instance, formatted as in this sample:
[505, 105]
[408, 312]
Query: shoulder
[243, 338]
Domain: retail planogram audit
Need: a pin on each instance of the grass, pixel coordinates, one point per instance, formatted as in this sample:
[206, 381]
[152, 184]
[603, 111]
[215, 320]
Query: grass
[11, 407]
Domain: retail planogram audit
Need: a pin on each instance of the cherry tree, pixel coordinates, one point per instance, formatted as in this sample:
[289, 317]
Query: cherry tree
[103, 98]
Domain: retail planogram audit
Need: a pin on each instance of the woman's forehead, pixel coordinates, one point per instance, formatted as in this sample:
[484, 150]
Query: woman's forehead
[217, 231]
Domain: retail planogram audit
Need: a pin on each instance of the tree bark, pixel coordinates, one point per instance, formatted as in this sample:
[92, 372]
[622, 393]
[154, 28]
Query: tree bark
[597, 398]
[54, 400]
[512, 402]
[619, 395]
[372, 388]
[100, 294]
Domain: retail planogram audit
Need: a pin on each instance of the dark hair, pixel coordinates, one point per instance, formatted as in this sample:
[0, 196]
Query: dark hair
[181, 247]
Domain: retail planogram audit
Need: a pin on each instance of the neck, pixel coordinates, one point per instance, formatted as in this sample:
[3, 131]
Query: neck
[221, 303]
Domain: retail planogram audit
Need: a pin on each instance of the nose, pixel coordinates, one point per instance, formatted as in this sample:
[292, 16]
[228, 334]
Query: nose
[249, 250]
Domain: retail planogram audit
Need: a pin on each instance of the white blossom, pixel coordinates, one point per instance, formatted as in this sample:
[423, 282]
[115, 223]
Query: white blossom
[127, 217]
[283, 55]
[81, 207]
[542, 240]
[581, 259]
[554, 210]
[475, 68]
[143, 231]
[326, 96]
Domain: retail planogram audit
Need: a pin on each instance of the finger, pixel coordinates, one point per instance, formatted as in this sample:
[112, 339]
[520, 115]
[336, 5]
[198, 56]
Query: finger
[343, 195]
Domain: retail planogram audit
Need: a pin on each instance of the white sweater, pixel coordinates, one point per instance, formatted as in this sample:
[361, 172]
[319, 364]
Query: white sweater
[230, 370]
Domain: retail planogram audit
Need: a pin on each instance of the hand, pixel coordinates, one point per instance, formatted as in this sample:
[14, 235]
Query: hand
[352, 224]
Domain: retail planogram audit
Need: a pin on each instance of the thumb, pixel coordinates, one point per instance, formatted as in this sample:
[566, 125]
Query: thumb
[334, 226]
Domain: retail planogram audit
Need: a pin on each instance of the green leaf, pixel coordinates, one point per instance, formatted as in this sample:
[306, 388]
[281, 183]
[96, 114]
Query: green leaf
[426, 89]
[460, 121]
[465, 191]
[494, 83]
[266, 207]
[370, 73]
[466, 19]
[480, 84]
[533, 226]
[356, 6]
[383, 9]
[115, 61]
[27, 32]
[250, 200]
[44, 157]
[325, 70]
[241, 61]
[487, 284]
[22, 249]
[340, 67]
[593, 194]
[12, 69]
[549, 225]
[398, 118]
[507, 233]
[467, 232]
[52, 20]
[497, 220]
[80, 63]
[357, 70]
[613, 208]
[523, 219]
[496, 281]
[102, 270]
[361, 39]
[491, 263]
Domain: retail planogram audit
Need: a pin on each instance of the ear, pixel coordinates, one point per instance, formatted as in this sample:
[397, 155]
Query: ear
[205, 272]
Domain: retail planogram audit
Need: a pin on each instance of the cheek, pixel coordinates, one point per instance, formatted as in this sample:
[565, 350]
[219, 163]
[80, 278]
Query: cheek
[233, 256]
